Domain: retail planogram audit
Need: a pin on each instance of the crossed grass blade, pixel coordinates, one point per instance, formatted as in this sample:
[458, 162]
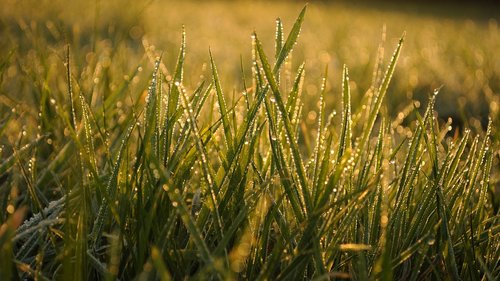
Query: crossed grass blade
[296, 157]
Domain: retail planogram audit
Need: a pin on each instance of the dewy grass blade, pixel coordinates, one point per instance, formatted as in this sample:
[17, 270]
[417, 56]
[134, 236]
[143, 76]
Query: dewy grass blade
[150, 116]
[377, 196]
[483, 189]
[182, 209]
[345, 135]
[70, 89]
[110, 192]
[445, 234]
[293, 97]
[278, 45]
[411, 156]
[431, 144]
[285, 174]
[321, 166]
[207, 171]
[171, 115]
[279, 37]
[320, 138]
[297, 159]
[222, 108]
[380, 94]
[20, 153]
[171, 159]
[452, 168]
[290, 41]
[89, 141]
[323, 171]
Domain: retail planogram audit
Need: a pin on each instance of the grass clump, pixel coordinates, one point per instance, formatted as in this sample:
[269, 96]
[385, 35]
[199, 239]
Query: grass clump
[186, 183]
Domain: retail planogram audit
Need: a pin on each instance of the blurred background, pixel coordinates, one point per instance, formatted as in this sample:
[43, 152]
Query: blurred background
[449, 44]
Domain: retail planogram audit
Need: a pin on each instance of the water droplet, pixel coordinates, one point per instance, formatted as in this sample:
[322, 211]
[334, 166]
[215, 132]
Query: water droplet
[431, 240]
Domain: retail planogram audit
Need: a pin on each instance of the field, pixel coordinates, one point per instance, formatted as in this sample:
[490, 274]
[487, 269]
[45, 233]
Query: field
[213, 140]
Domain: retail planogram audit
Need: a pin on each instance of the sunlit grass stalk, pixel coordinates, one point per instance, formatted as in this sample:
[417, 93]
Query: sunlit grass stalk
[187, 182]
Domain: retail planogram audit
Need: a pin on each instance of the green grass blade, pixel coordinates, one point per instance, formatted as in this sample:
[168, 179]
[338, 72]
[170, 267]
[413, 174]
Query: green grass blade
[96, 232]
[380, 94]
[222, 108]
[181, 208]
[173, 97]
[290, 40]
[297, 159]
[445, 234]
[345, 135]
[320, 139]
[159, 264]
[207, 170]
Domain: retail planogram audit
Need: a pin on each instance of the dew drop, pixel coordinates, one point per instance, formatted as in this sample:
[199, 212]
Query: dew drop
[431, 240]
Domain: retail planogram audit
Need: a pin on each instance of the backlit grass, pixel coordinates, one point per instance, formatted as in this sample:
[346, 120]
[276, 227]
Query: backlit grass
[136, 168]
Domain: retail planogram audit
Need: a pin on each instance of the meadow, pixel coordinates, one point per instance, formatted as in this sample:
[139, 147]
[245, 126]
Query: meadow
[242, 140]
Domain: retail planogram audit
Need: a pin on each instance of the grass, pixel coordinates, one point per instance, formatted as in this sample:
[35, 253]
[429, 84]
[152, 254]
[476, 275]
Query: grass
[158, 177]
